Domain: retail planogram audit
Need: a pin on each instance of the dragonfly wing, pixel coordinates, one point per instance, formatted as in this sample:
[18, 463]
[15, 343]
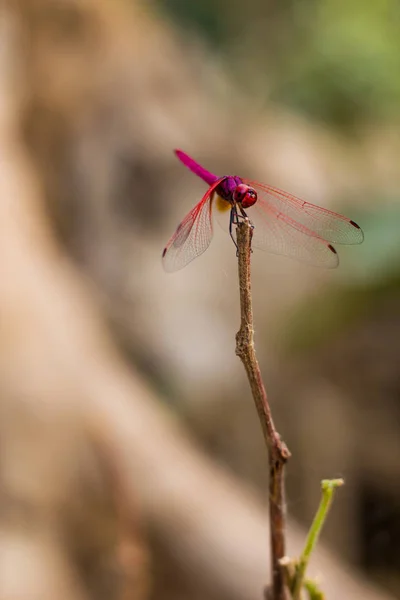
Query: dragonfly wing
[193, 235]
[309, 218]
[273, 233]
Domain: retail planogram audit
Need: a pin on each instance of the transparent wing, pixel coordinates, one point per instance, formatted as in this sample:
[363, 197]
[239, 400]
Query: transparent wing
[277, 234]
[193, 235]
[308, 218]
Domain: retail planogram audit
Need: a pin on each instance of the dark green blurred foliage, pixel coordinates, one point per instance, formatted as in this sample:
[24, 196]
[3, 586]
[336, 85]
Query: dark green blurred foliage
[204, 16]
[372, 277]
[337, 60]
[348, 71]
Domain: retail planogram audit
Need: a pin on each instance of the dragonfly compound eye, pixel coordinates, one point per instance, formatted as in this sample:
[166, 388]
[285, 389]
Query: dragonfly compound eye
[250, 198]
[240, 192]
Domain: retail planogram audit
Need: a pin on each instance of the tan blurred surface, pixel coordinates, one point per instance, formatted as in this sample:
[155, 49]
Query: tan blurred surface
[104, 492]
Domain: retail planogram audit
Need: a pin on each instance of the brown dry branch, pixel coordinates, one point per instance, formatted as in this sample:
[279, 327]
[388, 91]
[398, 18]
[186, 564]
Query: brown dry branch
[278, 453]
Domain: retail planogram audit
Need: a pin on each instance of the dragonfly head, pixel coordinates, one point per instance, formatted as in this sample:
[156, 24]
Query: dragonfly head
[245, 195]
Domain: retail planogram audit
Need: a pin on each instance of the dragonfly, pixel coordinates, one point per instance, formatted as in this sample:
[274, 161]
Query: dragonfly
[282, 223]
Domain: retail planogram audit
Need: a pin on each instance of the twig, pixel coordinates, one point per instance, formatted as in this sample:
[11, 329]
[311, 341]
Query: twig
[278, 453]
[328, 488]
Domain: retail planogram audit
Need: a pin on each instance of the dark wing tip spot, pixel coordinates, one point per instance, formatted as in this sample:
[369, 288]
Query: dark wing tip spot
[164, 252]
[332, 249]
[355, 225]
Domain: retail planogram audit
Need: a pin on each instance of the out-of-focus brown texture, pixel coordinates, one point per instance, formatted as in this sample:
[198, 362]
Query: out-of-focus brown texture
[104, 493]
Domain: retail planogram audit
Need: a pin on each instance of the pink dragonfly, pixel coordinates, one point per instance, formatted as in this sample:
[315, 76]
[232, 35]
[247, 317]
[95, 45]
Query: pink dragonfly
[283, 224]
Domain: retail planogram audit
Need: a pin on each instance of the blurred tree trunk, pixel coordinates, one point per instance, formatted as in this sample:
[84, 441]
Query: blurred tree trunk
[89, 458]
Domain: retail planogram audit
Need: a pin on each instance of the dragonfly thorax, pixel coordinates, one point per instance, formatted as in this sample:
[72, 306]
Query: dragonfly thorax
[234, 191]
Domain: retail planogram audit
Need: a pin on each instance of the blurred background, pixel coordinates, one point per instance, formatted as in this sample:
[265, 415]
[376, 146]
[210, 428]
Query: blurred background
[132, 462]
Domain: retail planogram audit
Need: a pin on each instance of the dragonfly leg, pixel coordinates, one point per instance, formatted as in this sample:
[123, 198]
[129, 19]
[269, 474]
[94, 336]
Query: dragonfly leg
[233, 220]
[243, 212]
[244, 216]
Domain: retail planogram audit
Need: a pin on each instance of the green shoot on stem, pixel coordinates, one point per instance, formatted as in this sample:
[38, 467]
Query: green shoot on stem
[328, 489]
